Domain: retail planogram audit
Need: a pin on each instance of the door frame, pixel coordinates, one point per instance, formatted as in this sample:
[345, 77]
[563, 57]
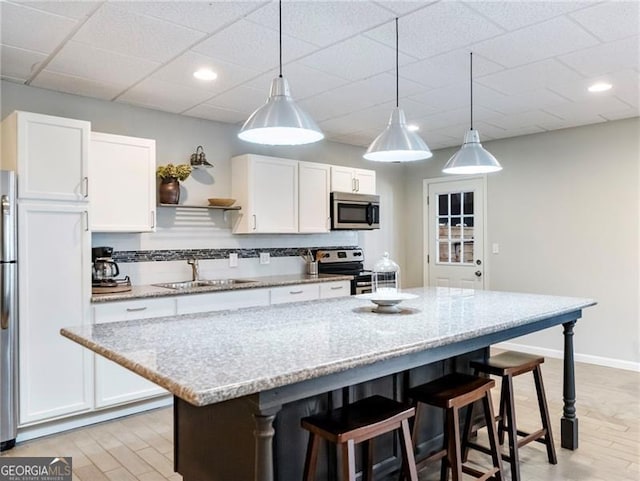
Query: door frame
[425, 222]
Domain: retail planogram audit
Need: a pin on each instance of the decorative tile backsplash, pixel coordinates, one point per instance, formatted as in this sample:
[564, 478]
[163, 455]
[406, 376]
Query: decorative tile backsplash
[184, 254]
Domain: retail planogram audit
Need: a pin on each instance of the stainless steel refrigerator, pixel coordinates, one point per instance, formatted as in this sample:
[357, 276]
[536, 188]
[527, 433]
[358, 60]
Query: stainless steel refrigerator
[8, 312]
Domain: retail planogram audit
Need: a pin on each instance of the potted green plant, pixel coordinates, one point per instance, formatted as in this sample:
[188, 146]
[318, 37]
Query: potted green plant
[170, 176]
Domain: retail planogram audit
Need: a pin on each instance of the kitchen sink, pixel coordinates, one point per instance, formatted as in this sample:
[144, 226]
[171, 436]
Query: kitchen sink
[204, 283]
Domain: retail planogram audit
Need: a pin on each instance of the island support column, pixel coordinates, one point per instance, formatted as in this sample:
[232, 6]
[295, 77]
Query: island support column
[569, 420]
[263, 434]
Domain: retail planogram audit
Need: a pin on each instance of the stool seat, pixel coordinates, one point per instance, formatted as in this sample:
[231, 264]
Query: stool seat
[509, 363]
[360, 422]
[452, 390]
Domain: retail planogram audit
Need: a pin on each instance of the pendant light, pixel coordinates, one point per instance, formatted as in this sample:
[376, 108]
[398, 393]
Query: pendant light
[397, 143]
[280, 121]
[472, 158]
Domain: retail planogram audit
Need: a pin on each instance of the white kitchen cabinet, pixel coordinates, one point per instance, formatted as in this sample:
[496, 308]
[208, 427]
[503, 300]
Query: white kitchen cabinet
[314, 184]
[267, 190]
[295, 293]
[50, 155]
[122, 183]
[220, 301]
[113, 383]
[329, 290]
[54, 283]
[347, 179]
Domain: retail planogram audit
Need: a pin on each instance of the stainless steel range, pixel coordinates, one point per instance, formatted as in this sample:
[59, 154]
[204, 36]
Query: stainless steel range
[346, 262]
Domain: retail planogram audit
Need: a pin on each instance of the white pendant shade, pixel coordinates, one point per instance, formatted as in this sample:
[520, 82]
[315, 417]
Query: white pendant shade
[280, 121]
[397, 143]
[472, 158]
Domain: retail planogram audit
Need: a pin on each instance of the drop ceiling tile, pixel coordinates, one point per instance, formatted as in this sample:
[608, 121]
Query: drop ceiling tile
[625, 83]
[354, 59]
[517, 132]
[456, 95]
[462, 115]
[114, 28]
[438, 28]
[521, 102]
[515, 15]
[17, 63]
[544, 74]
[73, 9]
[241, 99]
[322, 23]
[203, 16]
[523, 120]
[402, 8]
[31, 29]
[611, 20]
[82, 60]
[623, 114]
[246, 43]
[537, 42]
[439, 71]
[574, 122]
[304, 81]
[180, 71]
[575, 111]
[605, 58]
[76, 85]
[166, 96]
[205, 111]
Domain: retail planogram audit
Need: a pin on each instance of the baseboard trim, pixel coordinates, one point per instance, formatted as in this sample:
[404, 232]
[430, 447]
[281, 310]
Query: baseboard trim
[65, 424]
[586, 358]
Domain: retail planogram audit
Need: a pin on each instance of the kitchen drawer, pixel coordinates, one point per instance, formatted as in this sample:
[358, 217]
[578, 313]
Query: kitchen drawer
[296, 293]
[335, 289]
[220, 301]
[138, 309]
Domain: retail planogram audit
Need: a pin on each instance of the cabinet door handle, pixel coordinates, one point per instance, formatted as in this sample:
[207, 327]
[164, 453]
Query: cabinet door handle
[296, 292]
[85, 182]
[153, 219]
[336, 288]
[357, 185]
[86, 220]
[255, 222]
[136, 309]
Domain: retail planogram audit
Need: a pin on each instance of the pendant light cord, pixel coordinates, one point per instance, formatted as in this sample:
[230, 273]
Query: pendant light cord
[471, 84]
[280, 31]
[397, 74]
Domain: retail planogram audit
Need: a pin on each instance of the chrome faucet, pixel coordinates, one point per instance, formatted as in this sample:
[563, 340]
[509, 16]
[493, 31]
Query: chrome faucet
[195, 269]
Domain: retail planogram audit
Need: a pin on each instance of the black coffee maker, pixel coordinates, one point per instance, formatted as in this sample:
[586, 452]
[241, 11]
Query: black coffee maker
[105, 272]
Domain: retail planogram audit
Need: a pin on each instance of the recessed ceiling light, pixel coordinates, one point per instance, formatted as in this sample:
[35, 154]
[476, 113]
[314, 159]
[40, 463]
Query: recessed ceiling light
[412, 127]
[205, 74]
[600, 87]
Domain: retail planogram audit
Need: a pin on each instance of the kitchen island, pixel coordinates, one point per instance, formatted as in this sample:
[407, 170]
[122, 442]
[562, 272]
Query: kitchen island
[238, 374]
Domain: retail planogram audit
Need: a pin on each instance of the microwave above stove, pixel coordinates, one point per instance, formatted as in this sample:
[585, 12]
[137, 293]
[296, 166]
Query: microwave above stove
[354, 211]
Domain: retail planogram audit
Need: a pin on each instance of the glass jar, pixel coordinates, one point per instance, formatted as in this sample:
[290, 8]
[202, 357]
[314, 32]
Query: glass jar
[385, 277]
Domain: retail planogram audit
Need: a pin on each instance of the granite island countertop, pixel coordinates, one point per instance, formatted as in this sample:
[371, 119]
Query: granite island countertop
[256, 282]
[212, 357]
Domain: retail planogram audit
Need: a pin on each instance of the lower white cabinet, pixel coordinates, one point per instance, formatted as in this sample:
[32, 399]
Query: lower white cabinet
[115, 384]
[296, 293]
[53, 292]
[329, 290]
[219, 301]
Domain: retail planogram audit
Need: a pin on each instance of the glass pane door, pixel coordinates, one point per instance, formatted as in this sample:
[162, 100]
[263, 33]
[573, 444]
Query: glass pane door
[455, 234]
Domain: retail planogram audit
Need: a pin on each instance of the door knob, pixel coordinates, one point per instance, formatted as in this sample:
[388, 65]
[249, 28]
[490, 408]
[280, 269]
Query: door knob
[478, 273]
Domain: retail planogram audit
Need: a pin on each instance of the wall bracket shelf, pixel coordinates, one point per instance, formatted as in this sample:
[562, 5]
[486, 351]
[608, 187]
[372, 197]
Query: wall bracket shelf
[225, 210]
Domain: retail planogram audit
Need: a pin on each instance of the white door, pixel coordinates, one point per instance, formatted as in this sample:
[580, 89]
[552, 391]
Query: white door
[274, 186]
[313, 198]
[342, 179]
[455, 233]
[365, 181]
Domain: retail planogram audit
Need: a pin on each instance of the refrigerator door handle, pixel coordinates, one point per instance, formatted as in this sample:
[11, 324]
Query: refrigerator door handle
[7, 272]
[6, 227]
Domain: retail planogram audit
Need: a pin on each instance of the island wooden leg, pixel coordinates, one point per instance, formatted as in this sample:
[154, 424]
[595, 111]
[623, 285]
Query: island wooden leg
[569, 420]
[263, 434]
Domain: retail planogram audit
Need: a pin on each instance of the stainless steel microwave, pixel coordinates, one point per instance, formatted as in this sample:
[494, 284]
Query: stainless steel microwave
[354, 211]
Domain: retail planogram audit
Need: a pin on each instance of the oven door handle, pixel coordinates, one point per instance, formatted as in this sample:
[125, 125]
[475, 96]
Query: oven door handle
[369, 213]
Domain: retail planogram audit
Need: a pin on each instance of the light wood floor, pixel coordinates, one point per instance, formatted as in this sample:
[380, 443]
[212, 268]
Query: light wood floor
[139, 448]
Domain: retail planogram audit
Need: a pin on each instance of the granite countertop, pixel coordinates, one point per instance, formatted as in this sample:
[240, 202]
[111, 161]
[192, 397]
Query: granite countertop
[146, 291]
[213, 357]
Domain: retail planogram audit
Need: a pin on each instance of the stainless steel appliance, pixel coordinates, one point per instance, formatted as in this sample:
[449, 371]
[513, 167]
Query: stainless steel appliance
[105, 272]
[8, 313]
[354, 211]
[346, 262]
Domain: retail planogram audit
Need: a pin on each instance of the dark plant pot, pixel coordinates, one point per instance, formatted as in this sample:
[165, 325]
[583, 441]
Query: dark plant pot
[169, 191]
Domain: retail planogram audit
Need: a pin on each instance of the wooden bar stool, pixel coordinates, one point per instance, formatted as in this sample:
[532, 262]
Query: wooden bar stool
[451, 393]
[507, 365]
[355, 423]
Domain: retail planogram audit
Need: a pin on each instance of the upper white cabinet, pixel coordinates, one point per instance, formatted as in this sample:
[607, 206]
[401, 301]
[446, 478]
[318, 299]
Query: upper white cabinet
[347, 179]
[267, 190]
[314, 184]
[50, 155]
[122, 185]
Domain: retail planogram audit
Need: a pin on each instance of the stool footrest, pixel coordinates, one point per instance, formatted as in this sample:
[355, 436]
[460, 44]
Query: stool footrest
[479, 474]
[421, 463]
[535, 436]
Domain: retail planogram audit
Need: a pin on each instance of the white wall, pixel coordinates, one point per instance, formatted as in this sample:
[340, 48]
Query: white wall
[565, 211]
[176, 138]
